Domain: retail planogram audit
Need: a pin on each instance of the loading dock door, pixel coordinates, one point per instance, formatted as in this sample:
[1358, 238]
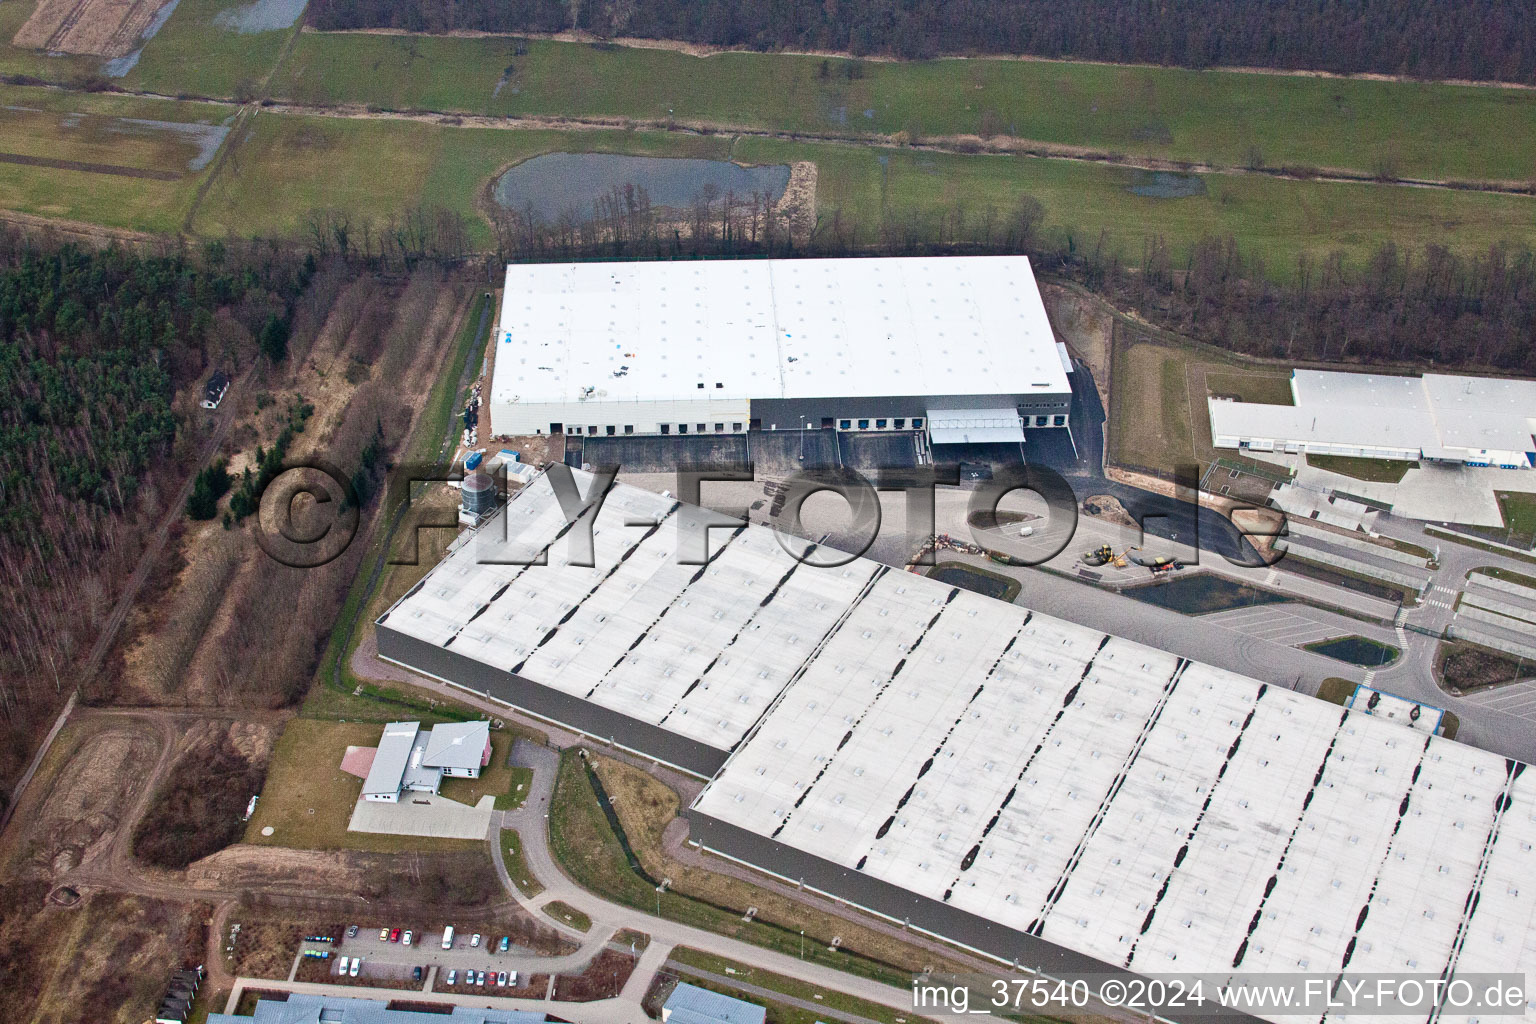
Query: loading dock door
[974, 426]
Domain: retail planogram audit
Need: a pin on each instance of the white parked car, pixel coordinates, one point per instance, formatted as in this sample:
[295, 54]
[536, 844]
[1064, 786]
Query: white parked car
[475, 941]
[512, 979]
[341, 966]
[406, 940]
[357, 962]
[453, 976]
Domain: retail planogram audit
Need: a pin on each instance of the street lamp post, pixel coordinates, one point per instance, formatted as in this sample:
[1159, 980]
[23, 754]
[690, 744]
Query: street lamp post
[802, 438]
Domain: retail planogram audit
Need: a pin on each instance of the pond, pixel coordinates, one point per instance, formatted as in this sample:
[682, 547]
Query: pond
[260, 16]
[1202, 594]
[1166, 185]
[1357, 650]
[555, 183]
[978, 581]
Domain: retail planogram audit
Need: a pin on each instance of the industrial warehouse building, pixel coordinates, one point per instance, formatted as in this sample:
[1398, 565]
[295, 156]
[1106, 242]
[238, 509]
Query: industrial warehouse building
[957, 347]
[1472, 421]
[1021, 785]
[306, 1008]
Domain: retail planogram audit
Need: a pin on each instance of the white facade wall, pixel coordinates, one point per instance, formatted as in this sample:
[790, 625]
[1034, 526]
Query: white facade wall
[1475, 421]
[638, 417]
[638, 347]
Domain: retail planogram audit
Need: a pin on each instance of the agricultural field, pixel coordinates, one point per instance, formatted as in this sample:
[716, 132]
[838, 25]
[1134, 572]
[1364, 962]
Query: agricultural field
[1272, 218]
[377, 168]
[21, 60]
[1224, 119]
[1161, 422]
[102, 28]
[119, 161]
[216, 48]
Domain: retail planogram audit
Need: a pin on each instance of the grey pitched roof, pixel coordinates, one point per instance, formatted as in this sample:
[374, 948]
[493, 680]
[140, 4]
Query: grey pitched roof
[689, 1004]
[457, 744]
[316, 1009]
[389, 763]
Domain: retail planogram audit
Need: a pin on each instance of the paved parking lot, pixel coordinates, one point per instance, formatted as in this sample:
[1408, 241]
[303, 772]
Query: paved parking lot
[1517, 699]
[395, 959]
[1292, 625]
[422, 814]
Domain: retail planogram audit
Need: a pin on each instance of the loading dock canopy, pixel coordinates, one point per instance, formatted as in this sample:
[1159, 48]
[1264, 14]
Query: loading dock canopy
[974, 426]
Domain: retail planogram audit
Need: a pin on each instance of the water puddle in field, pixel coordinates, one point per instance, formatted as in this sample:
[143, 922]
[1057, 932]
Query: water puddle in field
[560, 183]
[117, 67]
[260, 16]
[205, 138]
[1167, 185]
[172, 146]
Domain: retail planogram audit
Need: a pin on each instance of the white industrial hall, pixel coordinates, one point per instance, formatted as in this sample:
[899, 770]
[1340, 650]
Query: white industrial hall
[1469, 421]
[959, 348]
[1019, 784]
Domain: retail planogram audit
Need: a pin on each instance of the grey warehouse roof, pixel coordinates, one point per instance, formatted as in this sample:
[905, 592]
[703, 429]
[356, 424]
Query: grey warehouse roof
[312, 1009]
[796, 328]
[1434, 414]
[689, 1004]
[1143, 809]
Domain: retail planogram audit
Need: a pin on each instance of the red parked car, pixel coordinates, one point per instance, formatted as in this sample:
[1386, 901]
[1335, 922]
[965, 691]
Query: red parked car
[394, 935]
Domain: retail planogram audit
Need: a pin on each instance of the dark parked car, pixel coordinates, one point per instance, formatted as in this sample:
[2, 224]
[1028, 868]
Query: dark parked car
[416, 974]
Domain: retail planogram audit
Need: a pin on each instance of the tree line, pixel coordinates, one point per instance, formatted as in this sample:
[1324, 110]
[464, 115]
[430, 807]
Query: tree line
[1404, 305]
[1469, 39]
[95, 347]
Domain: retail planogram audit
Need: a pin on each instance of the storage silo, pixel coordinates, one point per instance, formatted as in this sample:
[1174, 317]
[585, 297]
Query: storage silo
[479, 495]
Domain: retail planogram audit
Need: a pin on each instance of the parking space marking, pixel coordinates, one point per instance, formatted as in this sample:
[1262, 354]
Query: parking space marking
[1517, 699]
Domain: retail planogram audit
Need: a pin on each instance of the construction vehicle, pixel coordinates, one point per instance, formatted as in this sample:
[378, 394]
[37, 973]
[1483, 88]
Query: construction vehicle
[1158, 564]
[1099, 556]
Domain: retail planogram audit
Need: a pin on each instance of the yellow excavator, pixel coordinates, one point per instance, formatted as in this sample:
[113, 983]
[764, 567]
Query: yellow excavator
[1105, 555]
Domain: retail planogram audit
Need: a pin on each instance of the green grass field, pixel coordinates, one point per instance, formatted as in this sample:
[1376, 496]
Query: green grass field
[193, 56]
[308, 799]
[562, 911]
[1381, 471]
[1263, 386]
[518, 782]
[380, 168]
[517, 864]
[127, 171]
[1223, 118]
[1519, 511]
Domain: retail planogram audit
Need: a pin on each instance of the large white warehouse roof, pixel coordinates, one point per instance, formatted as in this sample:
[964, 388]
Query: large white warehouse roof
[995, 763]
[1437, 416]
[756, 329]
